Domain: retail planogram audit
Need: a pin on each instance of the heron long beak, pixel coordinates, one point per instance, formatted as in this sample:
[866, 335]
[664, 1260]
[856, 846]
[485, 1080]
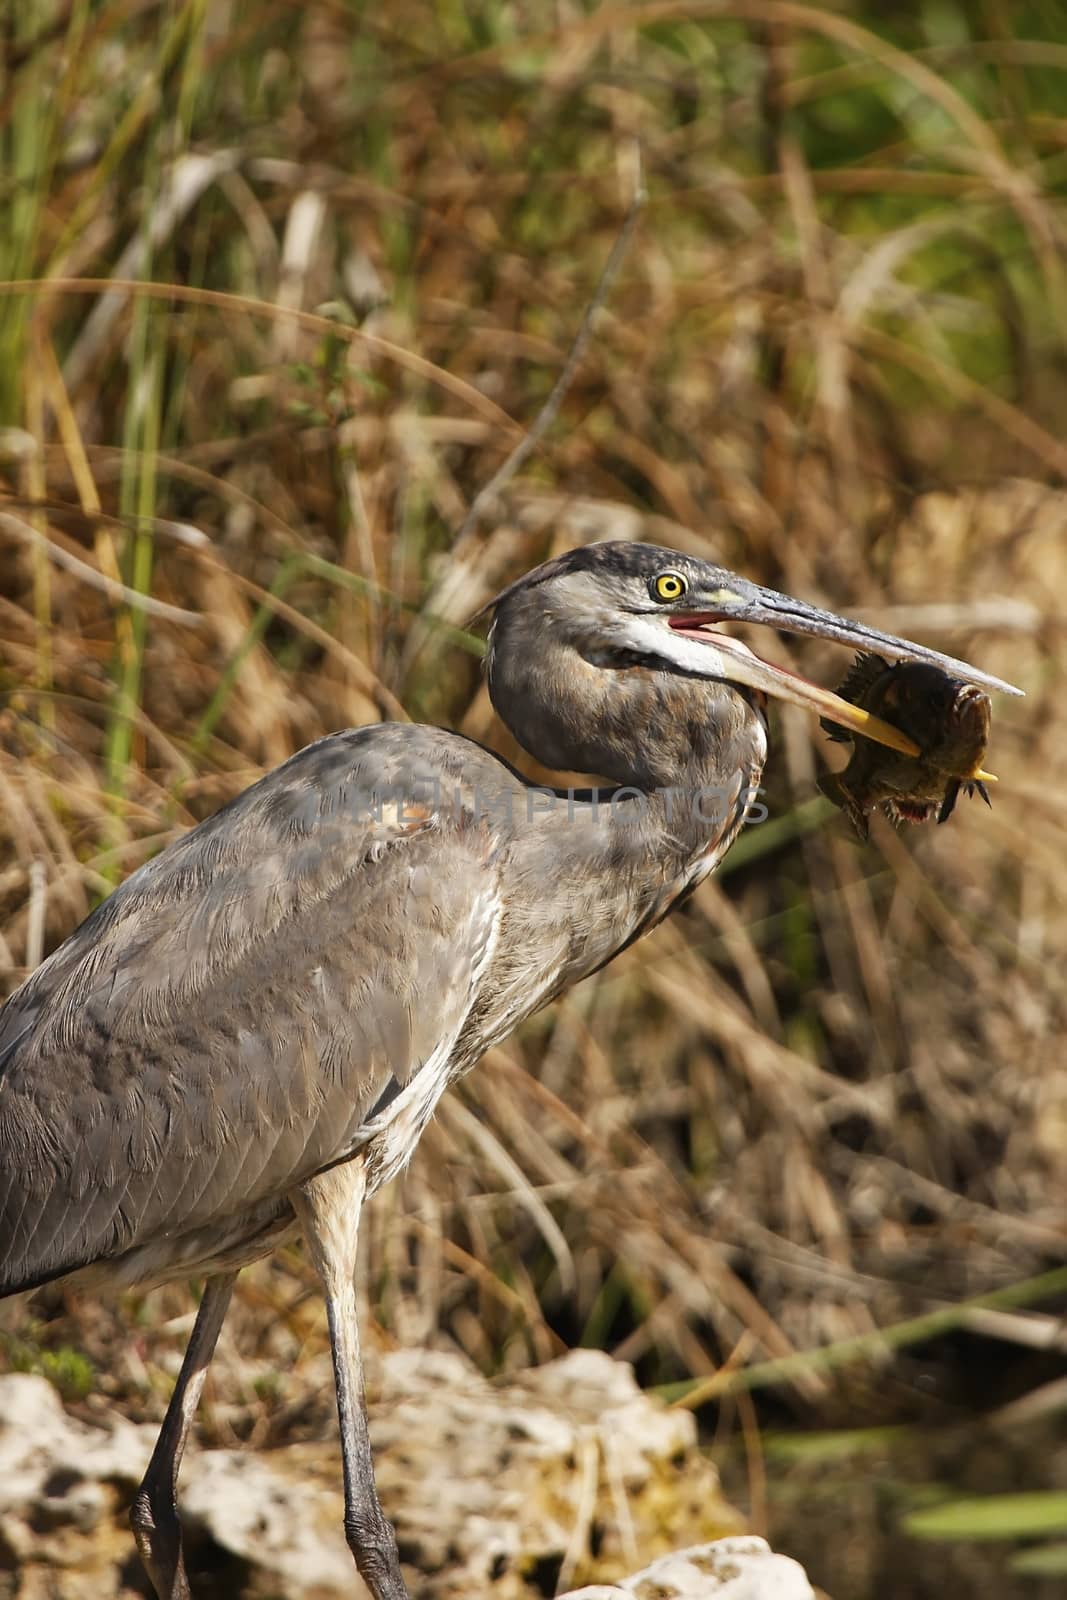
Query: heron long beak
[742, 601]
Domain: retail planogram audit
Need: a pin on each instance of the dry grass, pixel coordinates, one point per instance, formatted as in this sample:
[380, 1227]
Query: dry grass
[831, 1092]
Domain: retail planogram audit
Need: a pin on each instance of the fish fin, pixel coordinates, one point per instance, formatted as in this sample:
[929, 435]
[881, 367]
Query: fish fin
[952, 793]
[863, 674]
[976, 786]
[948, 804]
[842, 797]
[857, 816]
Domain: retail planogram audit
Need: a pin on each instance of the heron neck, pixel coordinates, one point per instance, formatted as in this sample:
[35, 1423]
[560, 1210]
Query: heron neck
[683, 755]
[656, 825]
[626, 854]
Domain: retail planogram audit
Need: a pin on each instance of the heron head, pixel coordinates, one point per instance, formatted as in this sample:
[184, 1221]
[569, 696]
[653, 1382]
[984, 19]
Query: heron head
[585, 639]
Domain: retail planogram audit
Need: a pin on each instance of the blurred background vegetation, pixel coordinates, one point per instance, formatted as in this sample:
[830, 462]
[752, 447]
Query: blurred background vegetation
[827, 1104]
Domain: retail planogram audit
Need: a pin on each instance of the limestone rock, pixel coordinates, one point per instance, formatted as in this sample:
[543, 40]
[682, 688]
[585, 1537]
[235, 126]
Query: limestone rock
[534, 1476]
[495, 1490]
[61, 1529]
[274, 1511]
[729, 1569]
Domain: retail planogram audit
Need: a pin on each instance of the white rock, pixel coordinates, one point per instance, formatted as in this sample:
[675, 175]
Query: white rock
[39, 1443]
[290, 1528]
[743, 1568]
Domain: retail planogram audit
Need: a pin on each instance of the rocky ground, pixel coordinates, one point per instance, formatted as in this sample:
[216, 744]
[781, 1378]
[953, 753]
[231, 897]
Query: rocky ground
[568, 1475]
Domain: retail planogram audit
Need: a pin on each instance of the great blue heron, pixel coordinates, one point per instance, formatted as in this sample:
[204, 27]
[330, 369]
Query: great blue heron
[247, 1038]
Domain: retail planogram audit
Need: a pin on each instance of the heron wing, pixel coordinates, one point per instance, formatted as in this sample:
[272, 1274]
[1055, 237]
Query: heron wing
[226, 1023]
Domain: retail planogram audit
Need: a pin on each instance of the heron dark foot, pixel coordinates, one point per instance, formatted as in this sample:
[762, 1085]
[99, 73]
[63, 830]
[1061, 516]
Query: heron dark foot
[154, 1513]
[373, 1545]
[328, 1207]
[158, 1533]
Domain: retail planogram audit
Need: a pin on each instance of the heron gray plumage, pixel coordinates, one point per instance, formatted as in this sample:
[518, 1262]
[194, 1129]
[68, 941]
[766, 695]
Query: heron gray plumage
[247, 1038]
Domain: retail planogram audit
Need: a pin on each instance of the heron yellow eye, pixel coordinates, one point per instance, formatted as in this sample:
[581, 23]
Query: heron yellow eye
[669, 586]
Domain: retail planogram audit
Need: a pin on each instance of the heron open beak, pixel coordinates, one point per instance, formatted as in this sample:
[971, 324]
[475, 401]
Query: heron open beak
[749, 602]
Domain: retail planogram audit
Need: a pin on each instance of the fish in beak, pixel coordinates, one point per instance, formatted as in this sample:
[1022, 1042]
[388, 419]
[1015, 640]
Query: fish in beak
[733, 599]
[948, 719]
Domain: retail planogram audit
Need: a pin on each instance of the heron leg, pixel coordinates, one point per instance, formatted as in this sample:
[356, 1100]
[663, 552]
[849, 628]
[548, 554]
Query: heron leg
[154, 1513]
[328, 1208]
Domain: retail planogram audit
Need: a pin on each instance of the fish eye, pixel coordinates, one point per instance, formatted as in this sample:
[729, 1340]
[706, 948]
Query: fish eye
[668, 586]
